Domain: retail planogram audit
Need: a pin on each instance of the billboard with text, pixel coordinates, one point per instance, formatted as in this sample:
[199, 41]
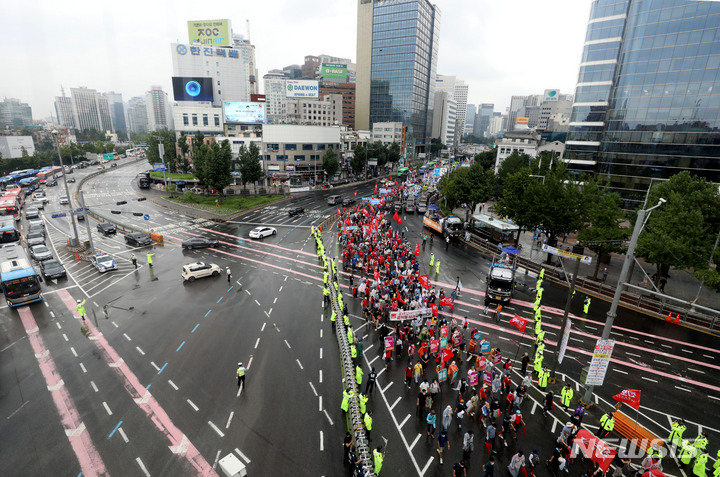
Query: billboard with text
[209, 32]
[333, 70]
[301, 89]
[243, 113]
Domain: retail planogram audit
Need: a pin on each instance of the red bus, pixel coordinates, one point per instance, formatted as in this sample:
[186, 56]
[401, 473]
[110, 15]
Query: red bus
[46, 174]
[9, 207]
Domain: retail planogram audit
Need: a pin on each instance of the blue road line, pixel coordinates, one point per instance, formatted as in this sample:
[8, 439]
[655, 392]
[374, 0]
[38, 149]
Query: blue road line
[206, 314]
[228, 291]
[196, 327]
[113, 432]
[181, 345]
[148, 386]
[219, 300]
[161, 369]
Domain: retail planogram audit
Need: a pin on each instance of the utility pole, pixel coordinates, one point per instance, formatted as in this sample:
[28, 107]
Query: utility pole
[75, 239]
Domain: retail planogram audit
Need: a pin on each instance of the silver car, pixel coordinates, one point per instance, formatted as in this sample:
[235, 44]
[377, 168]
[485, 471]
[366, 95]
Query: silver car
[35, 238]
[40, 253]
[32, 213]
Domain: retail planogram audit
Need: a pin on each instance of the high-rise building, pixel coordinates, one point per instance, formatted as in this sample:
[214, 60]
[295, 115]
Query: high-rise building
[64, 111]
[274, 88]
[158, 109]
[459, 93]
[397, 50]
[647, 102]
[90, 110]
[469, 118]
[326, 111]
[117, 110]
[137, 118]
[517, 103]
[482, 121]
[444, 118]
[15, 114]
[497, 123]
[347, 90]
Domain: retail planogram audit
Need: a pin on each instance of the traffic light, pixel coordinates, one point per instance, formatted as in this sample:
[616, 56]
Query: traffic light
[122, 202]
[115, 212]
[141, 199]
[138, 214]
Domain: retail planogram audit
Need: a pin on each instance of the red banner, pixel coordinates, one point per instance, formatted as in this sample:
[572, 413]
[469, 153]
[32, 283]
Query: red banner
[365, 212]
[434, 309]
[339, 213]
[595, 449]
[399, 219]
[355, 193]
[424, 281]
[417, 248]
[446, 301]
[631, 397]
[518, 322]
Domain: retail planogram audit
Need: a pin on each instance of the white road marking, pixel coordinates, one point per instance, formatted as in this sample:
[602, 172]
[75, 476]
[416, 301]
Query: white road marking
[140, 351]
[686, 351]
[708, 356]
[683, 389]
[65, 336]
[82, 366]
[696, 370]
[92, 384]
[126, 337]
[258, 303]
[313, 388]
[114, 324]
[619, 371]
[648, 379]
[122, 434]
[632, 354]
[58, 324]
[173, 385]
[328, 417]
[319, 403]
[227, 426]
[275, 300]
[395, 403]
[422, 472]
[417, 438]
[73, 351]
[288, 344]
[321, 353]
[662, 362]
[299, 363]
[142, 467]
[250, 362]
[404, 421]
[157, 368]
[215, 428]
[388, 386]
[192, 405]
[107, 408]
[263, 327]
[322, 445]
[320, 380]
[257, 343]
[243, 456]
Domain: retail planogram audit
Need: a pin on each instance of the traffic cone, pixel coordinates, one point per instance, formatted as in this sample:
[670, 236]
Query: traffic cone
[677, 319]
[668, 318]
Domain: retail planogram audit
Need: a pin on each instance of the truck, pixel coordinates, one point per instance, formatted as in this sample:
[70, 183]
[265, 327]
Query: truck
[501, 280]
[450, 226]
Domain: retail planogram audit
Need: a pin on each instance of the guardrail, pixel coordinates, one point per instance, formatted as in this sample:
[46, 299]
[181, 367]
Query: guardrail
[632, 301]
[348, 368]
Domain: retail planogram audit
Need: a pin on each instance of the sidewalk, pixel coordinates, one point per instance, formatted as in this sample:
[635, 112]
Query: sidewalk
[682, 284]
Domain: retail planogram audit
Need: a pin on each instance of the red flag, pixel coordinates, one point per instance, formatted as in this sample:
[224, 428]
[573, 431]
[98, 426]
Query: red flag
[595, 449]
[397, 292]
[365, 212]
[519, 322]
[355, 193]
[446, 301]
[631, 397]
[399, 219]
[348, 221]
[339, 213]
[424, 281]
[377, 275]
[417, 248]
[434, 308]
[396, 182]
[372, 210]
[376, 188]
[395, 216]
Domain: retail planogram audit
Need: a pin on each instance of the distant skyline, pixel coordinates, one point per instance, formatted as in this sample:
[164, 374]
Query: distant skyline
[499, 49]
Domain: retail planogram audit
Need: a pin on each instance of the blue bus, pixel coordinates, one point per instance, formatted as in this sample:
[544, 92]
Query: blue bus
[8, 231]
[19, 280]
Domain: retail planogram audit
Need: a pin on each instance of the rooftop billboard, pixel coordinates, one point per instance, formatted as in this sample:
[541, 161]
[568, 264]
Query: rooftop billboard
[333, 70]
[301, 89]
[210, 32]
[192, 88]
[243, 112]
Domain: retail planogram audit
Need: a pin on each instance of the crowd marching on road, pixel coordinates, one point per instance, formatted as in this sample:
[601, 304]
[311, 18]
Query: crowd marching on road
[417, 331]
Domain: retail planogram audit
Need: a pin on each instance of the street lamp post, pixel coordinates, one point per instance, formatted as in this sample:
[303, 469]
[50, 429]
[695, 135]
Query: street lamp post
[74, 239]
[629, 257]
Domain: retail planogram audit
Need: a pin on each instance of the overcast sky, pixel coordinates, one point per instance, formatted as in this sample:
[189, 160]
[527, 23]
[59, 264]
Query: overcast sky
[499, 48]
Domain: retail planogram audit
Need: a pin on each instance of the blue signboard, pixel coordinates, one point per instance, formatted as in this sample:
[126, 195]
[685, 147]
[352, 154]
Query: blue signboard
[436, 172]
[146, 216]
[485, 347]
[55, 216]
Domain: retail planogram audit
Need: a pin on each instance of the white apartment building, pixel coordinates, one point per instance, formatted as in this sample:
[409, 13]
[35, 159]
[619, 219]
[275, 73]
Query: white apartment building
[387, 133]
[91, 110]
[326, 111]
[274, 87]
[444, 118]
[458, 91]
[158, 108]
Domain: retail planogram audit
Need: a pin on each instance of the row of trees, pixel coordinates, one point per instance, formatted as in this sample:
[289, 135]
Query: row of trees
[541, 194]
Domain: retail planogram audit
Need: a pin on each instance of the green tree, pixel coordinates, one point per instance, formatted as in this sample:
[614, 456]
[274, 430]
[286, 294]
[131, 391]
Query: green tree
[24, 154]
[604, 233]
[169, 146]
[513, 164]
[394, 153]
[201, 163]
[379, 151]
[470, 185]
[681, 233]
[359, 159]
[183, 163]
[436, 146]
[250, 169]
[330, 163]
[486, 159]
[219, 166]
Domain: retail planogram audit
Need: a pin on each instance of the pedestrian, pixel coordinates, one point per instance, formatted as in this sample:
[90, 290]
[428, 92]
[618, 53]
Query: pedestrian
[490, 437]
[533, 461]
[430, 419]
[520, 393]
[678, 428]
[468, 444]
[372, 376]
[516, 423]
[447, 418]
[525, 360]
[605, 274]
[489, 467]
[548, 403]
[241, 375]
[229, 274]
[347, 395]
[516, 463]
[459, 469]
[362, 400]
[566, 396]
[607, 423]
[447, 243]
[133, 259]
[409, 375]
[149, 259]
[358, 375]
[378, 457]
[347, 444]
[699, 467]
[443, 442]
[586, 305]
[424, 240]
[80, 307]
[367, 419]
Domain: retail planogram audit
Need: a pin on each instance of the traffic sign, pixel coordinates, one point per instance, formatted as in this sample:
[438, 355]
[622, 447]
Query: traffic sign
[109, 157]
[80, 209]
[55, 216]
[146, 216]
[160, 169]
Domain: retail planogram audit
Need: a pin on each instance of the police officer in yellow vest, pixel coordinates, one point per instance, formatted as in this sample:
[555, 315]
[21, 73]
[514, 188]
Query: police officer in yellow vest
[716, 465]
[566, 396]
[332, 318]
[432, 259]
[80, 307]
[701, 441]
[363, 398]
[326, 295]
[607, 423]
[538, 323]
[346, 320]
[241, 375]
[678, 427]
[367, 418]
[358, 375]
[543, 376]
[687, 452]
[350, 334]
[378, 458]
[586, 306]
[542, 274]
[700, 461]
[537, 362]
[347, 395]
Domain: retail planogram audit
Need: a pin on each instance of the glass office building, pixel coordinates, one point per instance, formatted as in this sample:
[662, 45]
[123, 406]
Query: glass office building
[647, 103]
[397, 56]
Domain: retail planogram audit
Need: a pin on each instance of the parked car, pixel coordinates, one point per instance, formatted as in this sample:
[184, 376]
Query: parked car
[199, 270]
[293, 211]
[103, 262]
[64, 200]
[262, 232]
[36, 229]
[35, 238]
[106, 228]
[32, 213]
[199, 242]
[40, 253]
[52, 269]
[138, 239]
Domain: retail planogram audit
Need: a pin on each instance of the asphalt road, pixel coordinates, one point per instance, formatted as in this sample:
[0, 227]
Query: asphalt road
[152, 390]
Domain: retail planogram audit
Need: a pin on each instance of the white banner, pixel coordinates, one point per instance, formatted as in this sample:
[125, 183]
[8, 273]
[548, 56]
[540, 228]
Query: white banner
[600, 361]
[562, 253]
[402, 315]
[564, 342]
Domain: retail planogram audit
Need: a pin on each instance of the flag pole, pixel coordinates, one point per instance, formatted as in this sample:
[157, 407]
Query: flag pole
[520, 343]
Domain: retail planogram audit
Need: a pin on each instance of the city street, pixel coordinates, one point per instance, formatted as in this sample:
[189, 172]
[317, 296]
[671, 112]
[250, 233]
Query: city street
[151, 389]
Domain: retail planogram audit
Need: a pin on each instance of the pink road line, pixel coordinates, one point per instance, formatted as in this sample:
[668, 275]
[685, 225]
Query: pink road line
[180, 444]
[87, 455]
[268, 264]
[258, 243]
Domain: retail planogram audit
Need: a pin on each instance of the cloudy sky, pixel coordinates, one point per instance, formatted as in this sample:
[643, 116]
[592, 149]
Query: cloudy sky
[499, 48]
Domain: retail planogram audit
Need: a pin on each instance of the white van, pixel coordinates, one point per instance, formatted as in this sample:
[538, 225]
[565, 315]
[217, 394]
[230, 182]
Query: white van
[334, 199]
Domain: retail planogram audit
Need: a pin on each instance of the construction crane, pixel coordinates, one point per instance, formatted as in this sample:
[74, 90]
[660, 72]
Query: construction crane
[252, 63]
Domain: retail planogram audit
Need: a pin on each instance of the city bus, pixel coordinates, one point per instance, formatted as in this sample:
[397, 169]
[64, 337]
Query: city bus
[143, 181]
[19, 280]
[9, 207]
[17, 194]
[8, 231]
[49, 173]
[28, 184]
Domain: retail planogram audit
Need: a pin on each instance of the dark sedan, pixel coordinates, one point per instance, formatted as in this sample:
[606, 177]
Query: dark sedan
[52, 269]
[199, 242]
[295, 211]
[138, 239]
